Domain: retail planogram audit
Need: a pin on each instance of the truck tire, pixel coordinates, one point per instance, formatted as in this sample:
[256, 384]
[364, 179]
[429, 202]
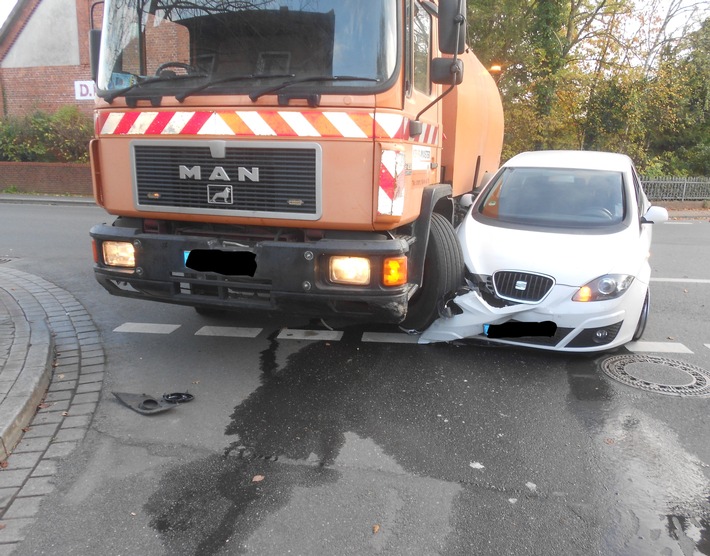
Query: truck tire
[443, 273]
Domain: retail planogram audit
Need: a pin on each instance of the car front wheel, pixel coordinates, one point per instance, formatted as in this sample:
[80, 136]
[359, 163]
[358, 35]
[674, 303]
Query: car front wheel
[643, 319]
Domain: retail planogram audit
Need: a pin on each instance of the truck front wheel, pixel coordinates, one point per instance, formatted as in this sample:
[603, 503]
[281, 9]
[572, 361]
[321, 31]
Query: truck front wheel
[443, 273]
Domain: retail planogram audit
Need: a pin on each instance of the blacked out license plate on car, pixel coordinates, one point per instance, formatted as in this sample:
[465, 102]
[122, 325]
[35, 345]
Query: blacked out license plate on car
[514, 329]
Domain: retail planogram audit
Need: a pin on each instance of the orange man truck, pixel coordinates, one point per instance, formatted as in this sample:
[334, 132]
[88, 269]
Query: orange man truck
[290, 155]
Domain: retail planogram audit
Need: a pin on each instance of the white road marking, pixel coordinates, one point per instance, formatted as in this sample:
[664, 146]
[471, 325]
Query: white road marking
[390, 338]
[335, 336]
[229, 331]
[327, 335]
[682, 280]
[707, 346]
[147, 328]
[657, 347]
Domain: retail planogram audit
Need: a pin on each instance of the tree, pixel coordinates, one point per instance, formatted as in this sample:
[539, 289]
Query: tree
[601, 74]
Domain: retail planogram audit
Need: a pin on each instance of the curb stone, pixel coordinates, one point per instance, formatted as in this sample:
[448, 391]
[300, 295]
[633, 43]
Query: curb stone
[55, 367]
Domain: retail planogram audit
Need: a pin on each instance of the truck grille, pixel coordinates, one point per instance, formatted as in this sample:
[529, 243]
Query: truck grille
[522, 287]
[259, 179]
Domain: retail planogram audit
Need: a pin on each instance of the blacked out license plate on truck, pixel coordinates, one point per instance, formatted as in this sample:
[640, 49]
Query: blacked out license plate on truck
[229, 263]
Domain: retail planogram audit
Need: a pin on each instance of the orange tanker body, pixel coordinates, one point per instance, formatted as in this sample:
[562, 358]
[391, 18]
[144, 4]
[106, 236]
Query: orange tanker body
[271, 155]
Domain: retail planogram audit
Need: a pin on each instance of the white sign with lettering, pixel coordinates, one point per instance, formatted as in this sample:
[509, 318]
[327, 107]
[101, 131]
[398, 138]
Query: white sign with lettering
[84, 90]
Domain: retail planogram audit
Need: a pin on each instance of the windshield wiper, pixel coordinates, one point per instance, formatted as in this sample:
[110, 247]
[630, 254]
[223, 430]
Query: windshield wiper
[114, 94]
[258, 94]
[182, 96]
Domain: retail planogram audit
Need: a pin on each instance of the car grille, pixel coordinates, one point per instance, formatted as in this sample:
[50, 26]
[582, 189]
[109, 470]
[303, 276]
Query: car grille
[287, 181]
[522, 287]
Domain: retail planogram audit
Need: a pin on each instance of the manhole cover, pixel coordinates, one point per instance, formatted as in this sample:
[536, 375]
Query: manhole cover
[658, 374]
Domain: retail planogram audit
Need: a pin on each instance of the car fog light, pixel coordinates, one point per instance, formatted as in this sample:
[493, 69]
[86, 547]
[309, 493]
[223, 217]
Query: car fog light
[119, 253]
[349, 270]
[601, 335]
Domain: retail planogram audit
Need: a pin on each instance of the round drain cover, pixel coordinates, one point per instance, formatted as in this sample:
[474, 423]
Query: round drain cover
[658, 374]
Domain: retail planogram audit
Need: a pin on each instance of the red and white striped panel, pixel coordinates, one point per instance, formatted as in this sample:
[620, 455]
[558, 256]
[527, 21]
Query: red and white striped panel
[390, 198]
[264, 123]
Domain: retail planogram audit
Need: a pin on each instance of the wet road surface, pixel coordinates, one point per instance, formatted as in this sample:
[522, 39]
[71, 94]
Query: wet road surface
[345, 448]
[298, 447]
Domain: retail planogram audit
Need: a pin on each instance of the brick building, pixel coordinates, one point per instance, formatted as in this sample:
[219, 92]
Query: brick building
[44, 57]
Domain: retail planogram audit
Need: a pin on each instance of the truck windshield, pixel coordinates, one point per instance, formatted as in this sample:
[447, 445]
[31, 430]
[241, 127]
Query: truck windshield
[167, 47]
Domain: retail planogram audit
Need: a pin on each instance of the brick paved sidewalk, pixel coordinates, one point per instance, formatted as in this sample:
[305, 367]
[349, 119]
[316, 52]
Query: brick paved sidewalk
[51, 371]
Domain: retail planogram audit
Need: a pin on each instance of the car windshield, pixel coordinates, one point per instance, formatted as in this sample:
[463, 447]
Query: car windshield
[553, 197]
[238, 46]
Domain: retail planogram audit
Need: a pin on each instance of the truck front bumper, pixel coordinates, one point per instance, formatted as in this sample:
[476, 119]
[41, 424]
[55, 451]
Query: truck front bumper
[289, 276]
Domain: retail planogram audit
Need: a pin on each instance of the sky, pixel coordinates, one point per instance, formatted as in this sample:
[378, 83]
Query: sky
[5, 9]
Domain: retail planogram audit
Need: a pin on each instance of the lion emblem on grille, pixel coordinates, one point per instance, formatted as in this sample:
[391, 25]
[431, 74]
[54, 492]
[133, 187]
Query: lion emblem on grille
[219, 195]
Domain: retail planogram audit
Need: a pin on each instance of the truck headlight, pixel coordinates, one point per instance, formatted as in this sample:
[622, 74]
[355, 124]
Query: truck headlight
[119, 253]
[349, 270]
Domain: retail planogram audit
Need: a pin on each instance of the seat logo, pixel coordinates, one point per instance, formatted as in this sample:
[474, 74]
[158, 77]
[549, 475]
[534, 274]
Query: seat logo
[521, 285]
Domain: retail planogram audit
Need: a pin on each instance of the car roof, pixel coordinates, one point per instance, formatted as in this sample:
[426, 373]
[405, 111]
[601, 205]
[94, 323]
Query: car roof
[591, 160]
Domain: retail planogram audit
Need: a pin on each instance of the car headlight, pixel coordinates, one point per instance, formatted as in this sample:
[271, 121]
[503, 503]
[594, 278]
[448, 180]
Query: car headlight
[605, 287]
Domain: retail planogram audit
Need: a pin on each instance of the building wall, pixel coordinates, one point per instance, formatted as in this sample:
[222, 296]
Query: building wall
[49, 38]
[54, 179]
[44, 58]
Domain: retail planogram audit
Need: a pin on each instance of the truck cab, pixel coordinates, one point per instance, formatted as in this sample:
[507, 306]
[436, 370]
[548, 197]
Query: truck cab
[290, 156]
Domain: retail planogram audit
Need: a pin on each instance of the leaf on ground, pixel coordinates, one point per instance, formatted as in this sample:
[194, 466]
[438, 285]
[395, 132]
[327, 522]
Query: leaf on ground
[257, 478]
[375, 529]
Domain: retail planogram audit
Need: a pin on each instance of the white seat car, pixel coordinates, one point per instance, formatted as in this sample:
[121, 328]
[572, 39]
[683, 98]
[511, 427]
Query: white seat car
[556, 250]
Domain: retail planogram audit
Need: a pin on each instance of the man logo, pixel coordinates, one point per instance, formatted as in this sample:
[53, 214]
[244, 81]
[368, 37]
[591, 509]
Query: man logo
[218, 195]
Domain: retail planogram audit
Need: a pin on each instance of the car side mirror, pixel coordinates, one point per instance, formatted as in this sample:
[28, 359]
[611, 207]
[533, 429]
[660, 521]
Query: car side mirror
[466, 200]
[655, 215]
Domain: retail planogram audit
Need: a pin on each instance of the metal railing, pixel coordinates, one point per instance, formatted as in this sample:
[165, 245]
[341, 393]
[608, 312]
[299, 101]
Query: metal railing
[677, 189]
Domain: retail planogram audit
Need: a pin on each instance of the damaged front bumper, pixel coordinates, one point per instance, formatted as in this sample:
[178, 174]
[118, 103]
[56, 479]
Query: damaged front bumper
[285, 276]
[557, 323]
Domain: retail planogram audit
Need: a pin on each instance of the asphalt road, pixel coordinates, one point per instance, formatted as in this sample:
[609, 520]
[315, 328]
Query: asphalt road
[352, 447]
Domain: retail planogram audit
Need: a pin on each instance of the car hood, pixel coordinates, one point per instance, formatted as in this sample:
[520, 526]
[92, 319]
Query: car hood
[572, 259]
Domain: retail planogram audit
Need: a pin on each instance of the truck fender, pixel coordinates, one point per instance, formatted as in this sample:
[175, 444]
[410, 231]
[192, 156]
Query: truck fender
[435, 198]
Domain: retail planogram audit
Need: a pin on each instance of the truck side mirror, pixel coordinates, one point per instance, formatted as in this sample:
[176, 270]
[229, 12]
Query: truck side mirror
[94, 45]
[446, 71]
[452, 27]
